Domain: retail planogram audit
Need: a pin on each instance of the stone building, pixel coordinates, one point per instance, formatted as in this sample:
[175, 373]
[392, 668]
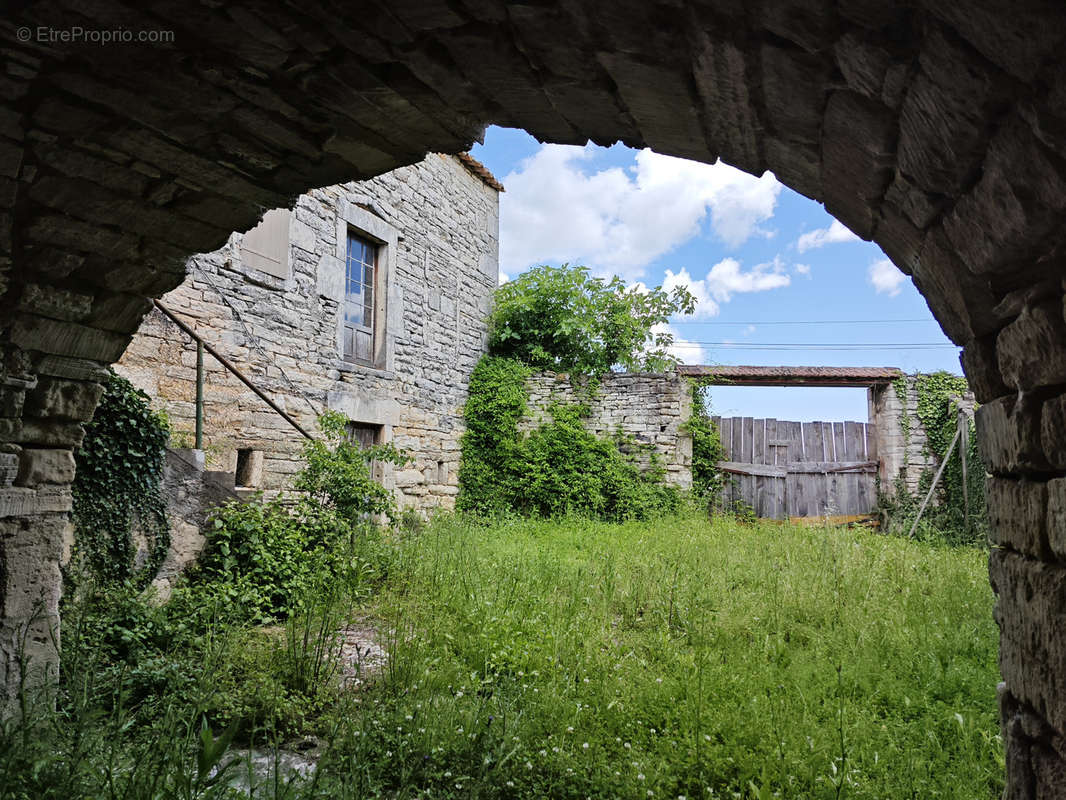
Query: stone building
[369, 298]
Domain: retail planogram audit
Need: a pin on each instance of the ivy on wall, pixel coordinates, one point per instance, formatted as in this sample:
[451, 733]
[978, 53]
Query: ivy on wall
[557, 469]
[708, 479]
[956, 515]
[562, 319]
[116, 488]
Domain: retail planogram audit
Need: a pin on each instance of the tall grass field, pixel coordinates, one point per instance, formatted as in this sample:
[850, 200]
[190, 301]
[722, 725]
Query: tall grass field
[681, 658]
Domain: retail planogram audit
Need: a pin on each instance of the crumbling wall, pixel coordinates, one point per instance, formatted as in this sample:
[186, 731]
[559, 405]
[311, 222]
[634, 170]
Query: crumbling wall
[649, 407]
[901, 441]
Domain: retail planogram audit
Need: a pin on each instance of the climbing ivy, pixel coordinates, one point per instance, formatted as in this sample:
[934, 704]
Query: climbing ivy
[557, 469]
[900, 387]
[937, 412]
[116, 490]
[707, 451]
[938, 395]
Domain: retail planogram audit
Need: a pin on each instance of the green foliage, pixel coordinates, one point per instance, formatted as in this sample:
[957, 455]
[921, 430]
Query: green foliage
[557, 469]
[116, 487]
[682, 657]
[945, 519]
[266, 557]
[938, 412]
[561, 319]
[491, 443]
[707, 450]
[337, 472]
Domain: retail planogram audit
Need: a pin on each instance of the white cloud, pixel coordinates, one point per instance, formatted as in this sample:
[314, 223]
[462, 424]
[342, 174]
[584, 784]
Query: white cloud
[836, 232]
[748, 331]
[802, 269]
[725, 279]
[885, 277]
[684, 350]
[619, 220]
[503, 278]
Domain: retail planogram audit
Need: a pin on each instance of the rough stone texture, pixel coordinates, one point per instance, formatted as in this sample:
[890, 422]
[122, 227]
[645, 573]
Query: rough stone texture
[903, 454]
[283, 332]
[650, 407]
[936, 128]
[191, 492]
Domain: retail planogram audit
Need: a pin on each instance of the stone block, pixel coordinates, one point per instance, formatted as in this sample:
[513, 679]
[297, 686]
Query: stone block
[1031, 612]
[39, 466]
[980, 365]
[67, 339]
[1023, 189]
[942, 121]
[50, 433]
[1018, 515]
[1056, 516]
[56, 398]
[1053, 431]
[1030, 350]
[1008, 431]
[858, 139]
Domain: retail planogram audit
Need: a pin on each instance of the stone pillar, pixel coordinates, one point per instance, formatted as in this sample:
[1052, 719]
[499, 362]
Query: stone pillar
[51, 377]
[1022, 435]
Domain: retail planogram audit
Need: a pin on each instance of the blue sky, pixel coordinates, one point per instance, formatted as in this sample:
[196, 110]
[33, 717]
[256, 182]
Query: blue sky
[778, 280]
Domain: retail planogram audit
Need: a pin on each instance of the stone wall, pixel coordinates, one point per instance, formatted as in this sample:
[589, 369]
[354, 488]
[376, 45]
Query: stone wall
[191, 491]
[650, 407]
[900, 437]
[935, 129]
[438, 223]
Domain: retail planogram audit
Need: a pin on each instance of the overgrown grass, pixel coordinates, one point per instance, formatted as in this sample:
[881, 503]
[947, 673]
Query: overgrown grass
[673, 658]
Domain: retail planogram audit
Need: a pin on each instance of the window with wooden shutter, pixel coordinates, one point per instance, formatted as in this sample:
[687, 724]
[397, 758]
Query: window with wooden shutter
[359, 291]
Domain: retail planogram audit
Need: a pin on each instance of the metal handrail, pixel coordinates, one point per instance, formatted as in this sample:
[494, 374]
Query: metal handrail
[205, 345]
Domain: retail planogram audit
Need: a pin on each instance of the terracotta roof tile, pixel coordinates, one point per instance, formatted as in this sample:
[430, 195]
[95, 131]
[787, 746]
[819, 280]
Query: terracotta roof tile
[480, 170]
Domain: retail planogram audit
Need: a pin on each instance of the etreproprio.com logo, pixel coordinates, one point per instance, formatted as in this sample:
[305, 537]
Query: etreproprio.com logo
[76, 34]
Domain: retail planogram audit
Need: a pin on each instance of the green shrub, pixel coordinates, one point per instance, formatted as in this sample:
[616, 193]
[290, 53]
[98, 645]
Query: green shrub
[556, 470]
[707, 451]
[337, 472]
[561, 319]
[116, 488]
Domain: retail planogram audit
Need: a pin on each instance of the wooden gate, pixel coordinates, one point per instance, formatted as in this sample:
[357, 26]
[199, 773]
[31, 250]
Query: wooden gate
[799, 469]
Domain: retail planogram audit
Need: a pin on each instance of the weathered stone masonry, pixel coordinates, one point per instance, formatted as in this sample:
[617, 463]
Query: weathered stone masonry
[651, 408]
[283, 333]
[903, 451]
[937, 129]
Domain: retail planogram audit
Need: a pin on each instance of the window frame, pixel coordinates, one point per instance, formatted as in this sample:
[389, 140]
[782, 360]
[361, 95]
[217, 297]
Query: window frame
[361, 222]
[370, 308]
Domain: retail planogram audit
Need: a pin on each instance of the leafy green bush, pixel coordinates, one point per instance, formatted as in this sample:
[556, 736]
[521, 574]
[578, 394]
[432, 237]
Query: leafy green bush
[337, 472]
[707, 451]
[116, 487]
[558, 469]
[561, 319]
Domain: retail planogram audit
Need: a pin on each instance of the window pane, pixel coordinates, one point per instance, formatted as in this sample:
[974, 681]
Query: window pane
[368, 275]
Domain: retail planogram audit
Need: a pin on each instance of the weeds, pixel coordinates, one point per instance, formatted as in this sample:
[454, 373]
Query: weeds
[561, 659]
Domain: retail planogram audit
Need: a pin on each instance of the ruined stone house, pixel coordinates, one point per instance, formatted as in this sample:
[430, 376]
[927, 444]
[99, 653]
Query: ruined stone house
[932, 128]
[368, 298]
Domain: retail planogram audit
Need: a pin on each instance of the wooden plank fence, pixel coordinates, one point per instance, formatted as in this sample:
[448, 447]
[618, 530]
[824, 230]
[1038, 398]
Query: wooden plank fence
[785, 469]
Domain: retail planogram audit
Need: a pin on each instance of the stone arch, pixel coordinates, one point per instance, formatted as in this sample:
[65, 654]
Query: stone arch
[131, 137]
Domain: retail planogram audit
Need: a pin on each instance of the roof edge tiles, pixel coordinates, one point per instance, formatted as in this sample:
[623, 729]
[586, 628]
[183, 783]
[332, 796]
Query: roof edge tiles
[480, 170]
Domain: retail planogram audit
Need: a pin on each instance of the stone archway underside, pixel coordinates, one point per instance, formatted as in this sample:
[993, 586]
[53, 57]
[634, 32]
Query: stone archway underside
[938, 129]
